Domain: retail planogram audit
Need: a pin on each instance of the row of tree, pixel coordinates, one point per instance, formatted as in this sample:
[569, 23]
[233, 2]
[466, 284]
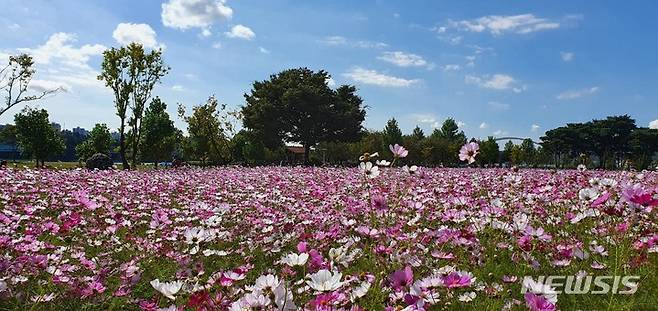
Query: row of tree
[613, 142]
[293, 106]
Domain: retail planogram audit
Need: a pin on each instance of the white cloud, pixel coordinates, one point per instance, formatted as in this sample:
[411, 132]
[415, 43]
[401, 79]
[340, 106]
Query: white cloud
[263, 50]
[653, 124]
[577, 93]
[61, 63]
[334, 40]
[370, 44]
[461, 124]
[499, 133]
[178, 88]
[451, 67]
[126, 33]
[496, 82]
[424, 118]
[403, 59]
[206, 32]
[217, 45]
[483, 125]
[185, 14]
[331, 82]
[241, 32]
[567, 56]
[40, 86]
[497, 24]
[373, 77]
[534, 128]
[498, 106]
[340, 40]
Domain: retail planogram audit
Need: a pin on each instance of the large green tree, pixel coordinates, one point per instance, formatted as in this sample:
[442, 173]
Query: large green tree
[15, 78]
[644, 145]
[36, 136]
[392, 133]
[297, 105]
[159, 133]
[131, 73]
[208, 127]
[98, 141]
[489, 151]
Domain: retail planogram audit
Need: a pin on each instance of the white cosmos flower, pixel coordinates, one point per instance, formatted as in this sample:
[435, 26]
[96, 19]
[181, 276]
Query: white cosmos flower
[410, 169]
[325, 281]
[370, 170]
[521, 221]
[360, 291]
[588, 194]
[382, 163]
[168, 289]
[267, 283]
[252, 301]
[467, 297]
[195, 235]
[3, 286]
[283, 298]
[295, 259]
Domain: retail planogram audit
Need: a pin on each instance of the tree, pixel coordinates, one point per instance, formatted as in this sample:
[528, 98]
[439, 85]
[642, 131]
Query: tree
[15, 80]
[207, 127]
[392, 133]
[489, 151]
[297, 105]
[644, 144]
[36, 136]
[159, 134]
[71, 142]
[98, 141]
[418, 133]
[507, 151]
[528, 151]
[8, 134]
[414, 143]
[131, 73]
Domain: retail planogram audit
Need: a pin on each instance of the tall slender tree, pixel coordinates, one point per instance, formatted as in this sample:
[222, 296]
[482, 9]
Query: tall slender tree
[131, 73]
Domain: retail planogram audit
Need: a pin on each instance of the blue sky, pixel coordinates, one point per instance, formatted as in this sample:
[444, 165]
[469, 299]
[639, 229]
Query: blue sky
[498, 67]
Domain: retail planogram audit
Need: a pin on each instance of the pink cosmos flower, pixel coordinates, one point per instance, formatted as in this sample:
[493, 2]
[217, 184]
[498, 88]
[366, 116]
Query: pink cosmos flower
[458, 279]
[637, 195]
[538, 303]
[468, 152]
[401, 278]
[379, 202]
[398, 151]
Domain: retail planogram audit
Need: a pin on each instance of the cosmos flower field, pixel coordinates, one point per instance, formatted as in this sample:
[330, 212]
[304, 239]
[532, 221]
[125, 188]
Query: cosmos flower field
[284, 238]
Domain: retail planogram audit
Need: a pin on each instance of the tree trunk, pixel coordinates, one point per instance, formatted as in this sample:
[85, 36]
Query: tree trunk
[122, 145]
[307, 151]
[135, 143]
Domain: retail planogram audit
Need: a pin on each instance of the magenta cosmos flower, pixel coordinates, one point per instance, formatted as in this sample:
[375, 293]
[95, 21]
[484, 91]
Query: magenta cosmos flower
[398, 151]
[401, 278]
[538, 303]
[457, 279]
[468, 152]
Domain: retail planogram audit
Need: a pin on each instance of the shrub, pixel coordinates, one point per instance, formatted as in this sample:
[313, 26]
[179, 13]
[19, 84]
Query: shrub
[99, 161]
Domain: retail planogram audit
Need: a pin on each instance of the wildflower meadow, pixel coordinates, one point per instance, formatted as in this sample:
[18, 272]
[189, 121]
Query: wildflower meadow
[377, 237]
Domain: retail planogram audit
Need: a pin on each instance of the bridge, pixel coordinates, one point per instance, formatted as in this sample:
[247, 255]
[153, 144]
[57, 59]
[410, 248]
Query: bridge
[516, 138]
